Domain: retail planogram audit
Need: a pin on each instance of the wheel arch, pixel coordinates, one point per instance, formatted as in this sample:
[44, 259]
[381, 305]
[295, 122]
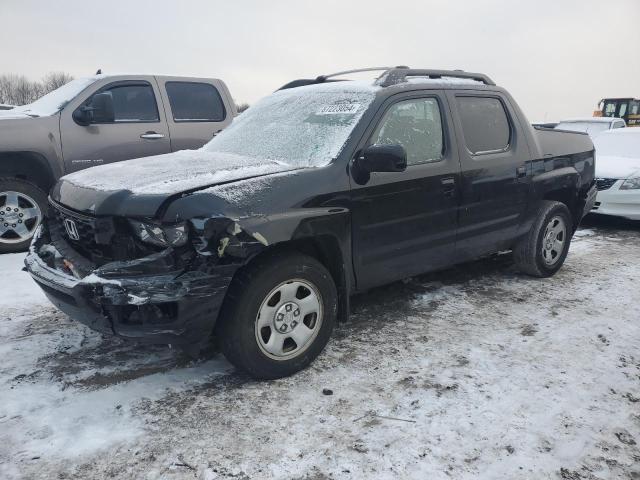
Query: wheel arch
[29, 166]
[322, 233]
[561, 185]
[568, 197]
[326, 249]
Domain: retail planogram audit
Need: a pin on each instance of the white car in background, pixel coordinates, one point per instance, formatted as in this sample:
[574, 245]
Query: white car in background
[618, 173]
[594, 126]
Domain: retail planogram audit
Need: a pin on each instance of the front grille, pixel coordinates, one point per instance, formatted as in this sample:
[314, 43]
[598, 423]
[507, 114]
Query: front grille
[85, 227]
[99, 239]
[605, 183]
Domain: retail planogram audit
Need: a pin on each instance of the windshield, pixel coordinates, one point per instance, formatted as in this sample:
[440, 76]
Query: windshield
[55, 101]
[302, 127]
[592, 128]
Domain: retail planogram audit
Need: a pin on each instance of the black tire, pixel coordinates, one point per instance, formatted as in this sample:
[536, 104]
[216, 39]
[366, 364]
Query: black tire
[237, 329]
[8, 243]
[529, 254]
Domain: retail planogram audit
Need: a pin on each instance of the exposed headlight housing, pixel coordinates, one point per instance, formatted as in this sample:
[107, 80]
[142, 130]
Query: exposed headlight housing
[632, 183]
[162, 236]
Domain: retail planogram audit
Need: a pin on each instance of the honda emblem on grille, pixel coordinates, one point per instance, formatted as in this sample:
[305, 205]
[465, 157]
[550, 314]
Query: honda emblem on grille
[71, 228]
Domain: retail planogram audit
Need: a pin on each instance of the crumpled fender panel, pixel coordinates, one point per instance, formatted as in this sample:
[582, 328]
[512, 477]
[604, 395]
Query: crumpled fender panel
[242, 238]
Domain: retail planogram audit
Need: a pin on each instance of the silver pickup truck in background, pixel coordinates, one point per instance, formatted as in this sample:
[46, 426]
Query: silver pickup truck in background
[97, 120]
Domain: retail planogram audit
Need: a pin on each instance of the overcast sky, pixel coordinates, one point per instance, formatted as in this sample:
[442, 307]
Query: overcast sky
[557, 57]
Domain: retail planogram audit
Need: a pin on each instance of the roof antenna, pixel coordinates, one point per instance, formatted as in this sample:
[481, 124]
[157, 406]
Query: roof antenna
[99, 72]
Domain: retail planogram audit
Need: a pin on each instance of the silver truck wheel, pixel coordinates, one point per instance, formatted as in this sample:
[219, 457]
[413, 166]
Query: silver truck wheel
[278, 314]
[289, 319]
[555, 235]
[20, 215]
[542, 251]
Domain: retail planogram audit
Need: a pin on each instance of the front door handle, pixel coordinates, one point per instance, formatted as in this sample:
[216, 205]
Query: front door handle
[448, 186]
[152, 136]
[521, 171]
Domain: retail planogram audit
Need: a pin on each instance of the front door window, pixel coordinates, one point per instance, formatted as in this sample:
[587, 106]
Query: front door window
[416, 125]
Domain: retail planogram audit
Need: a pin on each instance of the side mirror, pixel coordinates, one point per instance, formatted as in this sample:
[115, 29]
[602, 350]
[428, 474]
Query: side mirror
[102, 105]
[379, 158]
[83, 115]
[99, 111]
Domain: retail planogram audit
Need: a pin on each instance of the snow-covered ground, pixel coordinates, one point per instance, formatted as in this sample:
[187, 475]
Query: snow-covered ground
[476, 372]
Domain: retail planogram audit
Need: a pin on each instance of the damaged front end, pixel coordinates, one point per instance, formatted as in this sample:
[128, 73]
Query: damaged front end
[167, 295]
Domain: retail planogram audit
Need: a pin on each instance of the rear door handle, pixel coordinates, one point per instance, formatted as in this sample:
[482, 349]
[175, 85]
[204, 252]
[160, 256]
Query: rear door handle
[152, 136]
[448, 186]
[521, 171]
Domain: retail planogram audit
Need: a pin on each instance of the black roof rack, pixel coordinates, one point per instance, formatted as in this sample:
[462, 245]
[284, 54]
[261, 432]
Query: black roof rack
[392, 76]
[328, 78]
[323, 78]
[398, 75]
[301, 82]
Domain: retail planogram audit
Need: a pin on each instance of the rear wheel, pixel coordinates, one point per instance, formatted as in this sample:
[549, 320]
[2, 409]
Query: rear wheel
[544, 249]
[22, 205]
[278, 315]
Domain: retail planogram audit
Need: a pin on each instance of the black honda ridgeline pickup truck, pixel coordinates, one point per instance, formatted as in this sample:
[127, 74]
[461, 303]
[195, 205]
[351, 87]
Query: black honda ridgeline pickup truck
[321, 190]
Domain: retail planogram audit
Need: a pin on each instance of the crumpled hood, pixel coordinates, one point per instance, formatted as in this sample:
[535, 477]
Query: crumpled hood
[139, 187]
[609, 166]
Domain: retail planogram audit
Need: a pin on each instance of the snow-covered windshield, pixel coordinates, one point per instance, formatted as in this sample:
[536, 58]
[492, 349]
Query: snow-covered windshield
[302, 127]
[55, 101]
[592, 128]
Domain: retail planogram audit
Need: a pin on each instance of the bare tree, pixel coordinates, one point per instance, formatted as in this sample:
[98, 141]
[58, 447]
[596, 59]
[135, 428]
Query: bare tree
[54, 80]
[19, 90]
[24, 90]
[6, 88]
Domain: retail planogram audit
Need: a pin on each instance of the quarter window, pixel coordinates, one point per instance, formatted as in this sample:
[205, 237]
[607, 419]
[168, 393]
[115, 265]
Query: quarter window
[485, 124]
[195, 102]
[134, 103]
[417, 126]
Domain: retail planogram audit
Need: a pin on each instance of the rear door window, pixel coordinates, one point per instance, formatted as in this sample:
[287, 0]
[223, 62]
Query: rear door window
[485, 124]
[195, 102]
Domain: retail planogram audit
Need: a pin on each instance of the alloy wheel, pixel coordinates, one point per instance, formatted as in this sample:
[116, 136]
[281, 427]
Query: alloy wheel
[20, 215]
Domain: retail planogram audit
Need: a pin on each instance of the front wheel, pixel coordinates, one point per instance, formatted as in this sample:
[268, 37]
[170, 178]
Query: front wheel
[22, 205]
[544, 249]
[278, 315]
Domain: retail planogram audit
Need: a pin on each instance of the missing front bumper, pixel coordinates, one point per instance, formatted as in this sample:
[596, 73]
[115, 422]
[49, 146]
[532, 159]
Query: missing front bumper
[179, 307]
